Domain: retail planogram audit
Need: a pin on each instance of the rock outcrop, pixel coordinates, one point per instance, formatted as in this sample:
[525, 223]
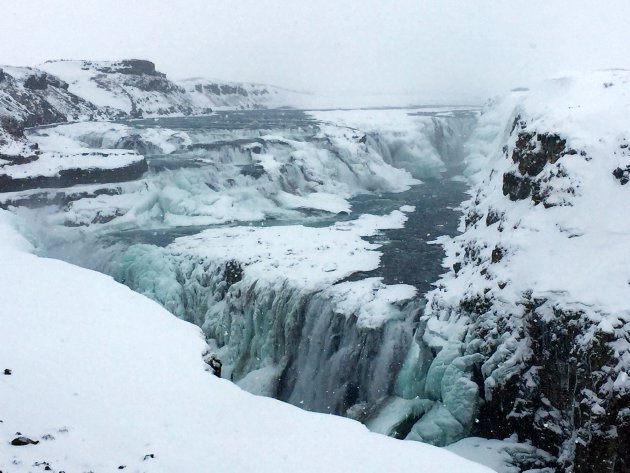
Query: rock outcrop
[538, 286]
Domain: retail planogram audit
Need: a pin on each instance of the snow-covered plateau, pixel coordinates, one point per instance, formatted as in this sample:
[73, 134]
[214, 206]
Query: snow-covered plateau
[306, 244]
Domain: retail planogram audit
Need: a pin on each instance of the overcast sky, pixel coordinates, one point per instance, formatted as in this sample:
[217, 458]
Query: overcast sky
[464, 48]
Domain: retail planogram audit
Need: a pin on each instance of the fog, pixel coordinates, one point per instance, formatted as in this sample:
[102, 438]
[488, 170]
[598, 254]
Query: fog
[460, 50]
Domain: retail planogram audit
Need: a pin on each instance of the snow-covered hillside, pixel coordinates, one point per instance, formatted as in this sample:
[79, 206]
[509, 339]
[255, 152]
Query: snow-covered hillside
[537, 293]
[128, 88]
[100, 378]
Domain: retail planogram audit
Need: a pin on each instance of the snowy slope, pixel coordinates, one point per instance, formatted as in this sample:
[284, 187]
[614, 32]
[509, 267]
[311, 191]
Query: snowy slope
[31, 97]
[105, 379]
[131, 88]
[538, 285]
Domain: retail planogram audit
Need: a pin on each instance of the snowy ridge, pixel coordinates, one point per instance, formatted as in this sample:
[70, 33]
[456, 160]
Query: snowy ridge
[538, 287]
[127, 88]
[112, 380]
[221, 95]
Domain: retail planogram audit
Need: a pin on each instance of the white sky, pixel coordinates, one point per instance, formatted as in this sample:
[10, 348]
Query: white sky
[464, 48]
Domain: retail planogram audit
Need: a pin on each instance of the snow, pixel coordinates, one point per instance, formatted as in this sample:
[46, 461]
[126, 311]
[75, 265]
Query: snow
[556, 250]
[318, 167]
[371, 299]
[51, 163]
[310, 257]
[116, 91]
[500, 455]
[104, 377]
[222, 95]
[226, 95]
[417, 140]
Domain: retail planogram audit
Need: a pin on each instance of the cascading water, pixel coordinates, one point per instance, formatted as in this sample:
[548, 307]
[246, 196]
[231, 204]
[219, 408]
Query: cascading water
[303, 344]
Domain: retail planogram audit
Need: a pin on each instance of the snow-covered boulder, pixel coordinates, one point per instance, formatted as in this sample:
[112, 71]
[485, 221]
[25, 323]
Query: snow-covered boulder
[538, 287]
[98, 378]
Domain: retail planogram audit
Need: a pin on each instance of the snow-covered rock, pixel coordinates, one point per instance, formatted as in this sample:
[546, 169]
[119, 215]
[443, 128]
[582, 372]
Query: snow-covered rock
[128, 88]
[221, 95]
[538, 285]
[99, 378]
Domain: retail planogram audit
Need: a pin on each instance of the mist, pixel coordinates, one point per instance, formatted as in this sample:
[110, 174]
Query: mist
[451, 50]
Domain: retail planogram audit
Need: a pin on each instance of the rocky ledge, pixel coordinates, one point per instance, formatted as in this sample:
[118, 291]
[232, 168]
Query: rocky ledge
[537, 289]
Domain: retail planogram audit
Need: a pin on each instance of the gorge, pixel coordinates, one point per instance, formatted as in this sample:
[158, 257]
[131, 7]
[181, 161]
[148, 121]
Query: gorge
[307, 244]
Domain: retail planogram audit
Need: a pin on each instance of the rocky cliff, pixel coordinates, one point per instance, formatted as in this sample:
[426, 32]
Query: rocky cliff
[536, 296]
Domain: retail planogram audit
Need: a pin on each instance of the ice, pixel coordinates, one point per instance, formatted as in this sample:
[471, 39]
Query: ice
[212, 176]
[437, 427]
[503, 456]
[396, 414]
[104, 378]
[419, 142]
[279, 322]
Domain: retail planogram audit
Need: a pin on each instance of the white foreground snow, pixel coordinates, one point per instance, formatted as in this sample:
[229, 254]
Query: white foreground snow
[103, 376]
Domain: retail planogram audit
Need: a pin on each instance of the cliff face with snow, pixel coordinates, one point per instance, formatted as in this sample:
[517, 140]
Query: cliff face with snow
[63, 91]
[130, 88]
[221, 95]
[536, 297]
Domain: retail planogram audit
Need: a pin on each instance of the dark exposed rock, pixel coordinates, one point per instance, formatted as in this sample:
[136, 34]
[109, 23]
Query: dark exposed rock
[18, 160]
[7, 371]
[12, 126]
[560, 397]
[71, 177]
[128, 66]
[471, 218]
[36, 82]
[497, 254]
[215, 365]
[61, 198]
[22, 440]
[517, 187]
[233, 272]
[254, 170]
[622, 175]
[493, 217]
[532, 153]
[137, 143]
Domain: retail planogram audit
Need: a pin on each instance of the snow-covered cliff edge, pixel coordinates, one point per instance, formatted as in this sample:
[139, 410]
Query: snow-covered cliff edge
[99, 378]
[535, 304]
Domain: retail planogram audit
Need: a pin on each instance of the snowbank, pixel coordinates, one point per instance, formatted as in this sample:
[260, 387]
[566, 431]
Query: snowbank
[104, 378]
